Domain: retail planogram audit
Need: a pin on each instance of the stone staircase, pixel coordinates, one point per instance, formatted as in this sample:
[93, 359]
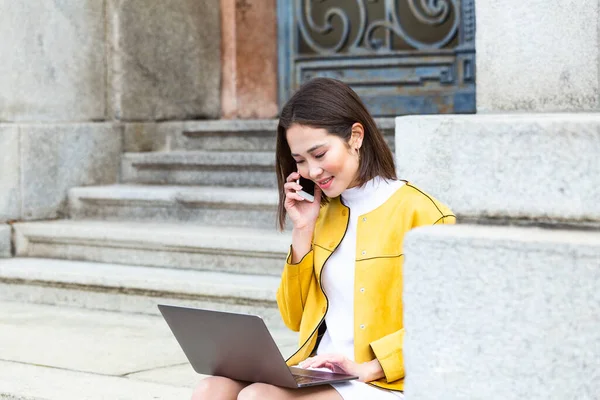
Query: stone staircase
[192, 222]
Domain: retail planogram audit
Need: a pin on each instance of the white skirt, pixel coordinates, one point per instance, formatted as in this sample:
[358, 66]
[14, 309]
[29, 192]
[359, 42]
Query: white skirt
[355, 390]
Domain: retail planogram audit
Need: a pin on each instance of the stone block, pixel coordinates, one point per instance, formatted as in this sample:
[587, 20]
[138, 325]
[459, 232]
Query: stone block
[10, 180]
[536, 56]
[53, 60]
[501, 313]
[542, 167]
[249, 58]
[164, 59]
[5, 241]
[55, 158]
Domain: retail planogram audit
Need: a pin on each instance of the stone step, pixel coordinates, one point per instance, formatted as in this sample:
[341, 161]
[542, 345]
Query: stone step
[209, 248]
[135, 289]
[210, 205]
[477, 299]
[5, 245]
[541, 168]
[219, 168]
[220, 135]
[37, 382]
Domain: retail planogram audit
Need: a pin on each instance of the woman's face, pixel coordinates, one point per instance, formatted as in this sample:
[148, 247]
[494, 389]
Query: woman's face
[324, 158]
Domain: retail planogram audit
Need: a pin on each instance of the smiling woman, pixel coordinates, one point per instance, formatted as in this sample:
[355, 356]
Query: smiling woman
[341, 286]
[323, 132]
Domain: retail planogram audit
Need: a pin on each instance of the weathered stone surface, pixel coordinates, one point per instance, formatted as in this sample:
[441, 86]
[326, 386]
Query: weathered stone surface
[5, 241]
[34, 382]
[501, 313]
[248, 169]
[55, 158]
[53, 60]
[134, 289]
[533, 56]
[209, 205]
[159, 244]
[543, 167]
[10, 180]
[249, 58]
[164, 59]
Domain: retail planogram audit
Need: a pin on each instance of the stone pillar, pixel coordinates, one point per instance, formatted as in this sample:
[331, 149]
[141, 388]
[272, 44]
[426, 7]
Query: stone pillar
[538, 55]
[164, 58]
[249, 34]
[505, 304]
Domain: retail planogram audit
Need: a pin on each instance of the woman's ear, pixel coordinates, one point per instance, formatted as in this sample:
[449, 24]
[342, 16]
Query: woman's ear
[358, 134]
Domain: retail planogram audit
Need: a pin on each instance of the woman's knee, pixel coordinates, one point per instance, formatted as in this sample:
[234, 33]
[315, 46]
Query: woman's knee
[256, 391]
[217, 388]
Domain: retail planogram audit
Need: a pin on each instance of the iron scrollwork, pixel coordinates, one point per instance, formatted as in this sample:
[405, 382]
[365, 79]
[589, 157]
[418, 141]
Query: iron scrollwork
[428, 12]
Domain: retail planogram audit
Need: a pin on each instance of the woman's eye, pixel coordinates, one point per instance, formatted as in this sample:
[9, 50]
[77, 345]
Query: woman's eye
[320, 155]
[299, 162]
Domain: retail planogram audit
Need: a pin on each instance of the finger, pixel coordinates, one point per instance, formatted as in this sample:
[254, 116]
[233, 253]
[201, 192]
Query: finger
[292, 186]
[294, 176]
[294, 196]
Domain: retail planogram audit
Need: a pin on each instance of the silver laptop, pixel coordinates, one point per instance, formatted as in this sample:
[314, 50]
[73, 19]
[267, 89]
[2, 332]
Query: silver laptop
[237, 346]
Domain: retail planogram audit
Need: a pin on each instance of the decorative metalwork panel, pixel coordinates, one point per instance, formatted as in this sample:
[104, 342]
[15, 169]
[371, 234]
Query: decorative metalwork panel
[401, 56]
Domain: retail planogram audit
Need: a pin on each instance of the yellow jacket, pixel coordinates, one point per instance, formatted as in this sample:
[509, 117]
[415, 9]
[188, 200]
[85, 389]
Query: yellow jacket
[378, 316]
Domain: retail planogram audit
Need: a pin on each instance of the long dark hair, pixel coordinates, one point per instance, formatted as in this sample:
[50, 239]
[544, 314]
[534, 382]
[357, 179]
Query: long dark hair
[329, 104]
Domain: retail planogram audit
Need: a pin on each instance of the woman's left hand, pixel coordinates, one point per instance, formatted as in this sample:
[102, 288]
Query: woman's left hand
[366, 372]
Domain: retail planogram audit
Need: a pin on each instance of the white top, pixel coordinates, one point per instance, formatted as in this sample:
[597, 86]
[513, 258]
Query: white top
[338, 276]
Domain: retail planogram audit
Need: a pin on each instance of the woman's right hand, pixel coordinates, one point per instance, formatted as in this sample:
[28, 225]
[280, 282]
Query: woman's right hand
[302, 212]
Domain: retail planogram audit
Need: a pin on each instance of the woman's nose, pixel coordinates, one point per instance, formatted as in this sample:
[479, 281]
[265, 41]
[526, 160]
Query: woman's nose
[315, 172]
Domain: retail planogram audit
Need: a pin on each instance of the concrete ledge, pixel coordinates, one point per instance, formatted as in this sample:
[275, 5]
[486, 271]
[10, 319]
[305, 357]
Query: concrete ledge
[531, 166]
[210, 205]
[32, 382]
[134, 289]
[502, 313]
[248, 169]
[221, 135]
[5, 241]
[208, 248]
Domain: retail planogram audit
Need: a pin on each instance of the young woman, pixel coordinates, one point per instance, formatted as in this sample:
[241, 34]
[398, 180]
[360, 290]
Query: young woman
[341, 286]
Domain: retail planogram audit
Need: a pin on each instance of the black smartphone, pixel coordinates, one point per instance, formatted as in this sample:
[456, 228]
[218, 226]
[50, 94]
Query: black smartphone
[308, 189]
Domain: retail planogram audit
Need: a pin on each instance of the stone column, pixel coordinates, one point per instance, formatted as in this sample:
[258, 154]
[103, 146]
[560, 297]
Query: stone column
[505, 304]
[73, 71]
[249, 34]
[538, 56]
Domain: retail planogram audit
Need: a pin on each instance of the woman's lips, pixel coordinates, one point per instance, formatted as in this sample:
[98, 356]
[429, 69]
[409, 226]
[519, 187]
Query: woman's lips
[326, 185]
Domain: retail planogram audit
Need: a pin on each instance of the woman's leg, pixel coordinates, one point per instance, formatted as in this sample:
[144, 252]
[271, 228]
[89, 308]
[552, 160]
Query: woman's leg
[217, 388]
[263, 391]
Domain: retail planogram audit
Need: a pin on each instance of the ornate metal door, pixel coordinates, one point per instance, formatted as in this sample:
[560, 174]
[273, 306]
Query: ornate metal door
[401, 56]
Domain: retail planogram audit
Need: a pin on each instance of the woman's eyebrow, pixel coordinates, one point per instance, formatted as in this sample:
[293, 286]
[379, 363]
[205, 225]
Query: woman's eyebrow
[310, 150]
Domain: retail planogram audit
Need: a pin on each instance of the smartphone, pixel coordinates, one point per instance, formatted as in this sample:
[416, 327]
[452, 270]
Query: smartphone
[308, 189]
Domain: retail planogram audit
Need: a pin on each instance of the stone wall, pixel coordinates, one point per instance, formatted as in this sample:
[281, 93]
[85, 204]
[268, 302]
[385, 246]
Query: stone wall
[40, 162]
[73, 70]
[538, 55]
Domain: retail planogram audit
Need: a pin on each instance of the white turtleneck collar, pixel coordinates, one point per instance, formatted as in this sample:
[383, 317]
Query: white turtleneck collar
[371, 195]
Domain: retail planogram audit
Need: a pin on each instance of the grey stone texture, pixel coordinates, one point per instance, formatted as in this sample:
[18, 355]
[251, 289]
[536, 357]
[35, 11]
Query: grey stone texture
[5, 241]
[55, 158]
[164, 59]
[501, 313]
[159, 244]
[64, 353]
[41, 162]
[135, 289]
[53, 61]
[541, 167]
[247, 169]
[10, 178]
[208, 205]
[218, 135]
[538, 56]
